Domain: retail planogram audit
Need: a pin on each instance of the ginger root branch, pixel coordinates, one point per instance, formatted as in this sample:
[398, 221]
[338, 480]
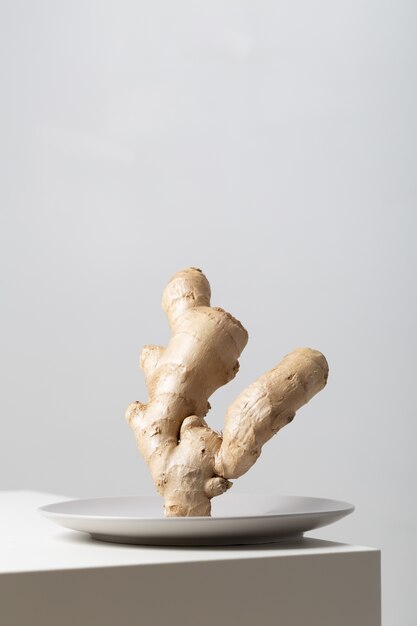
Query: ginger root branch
[189, 462]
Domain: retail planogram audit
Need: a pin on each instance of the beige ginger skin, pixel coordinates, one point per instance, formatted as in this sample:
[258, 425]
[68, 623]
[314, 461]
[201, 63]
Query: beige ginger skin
[191, 463]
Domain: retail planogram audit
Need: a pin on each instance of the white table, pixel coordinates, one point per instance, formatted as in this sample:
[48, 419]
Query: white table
[50, 576]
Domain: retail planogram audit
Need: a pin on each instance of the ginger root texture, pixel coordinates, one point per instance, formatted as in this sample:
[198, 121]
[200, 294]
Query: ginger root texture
[189, 462]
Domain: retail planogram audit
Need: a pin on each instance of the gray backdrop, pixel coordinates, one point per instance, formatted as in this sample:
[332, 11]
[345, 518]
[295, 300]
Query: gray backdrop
[272, 144]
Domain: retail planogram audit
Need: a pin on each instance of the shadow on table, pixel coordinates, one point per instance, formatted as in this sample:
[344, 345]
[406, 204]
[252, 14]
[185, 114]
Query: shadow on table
[303, 543]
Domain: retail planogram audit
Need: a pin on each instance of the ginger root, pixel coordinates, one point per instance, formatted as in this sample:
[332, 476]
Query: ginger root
[191, 463]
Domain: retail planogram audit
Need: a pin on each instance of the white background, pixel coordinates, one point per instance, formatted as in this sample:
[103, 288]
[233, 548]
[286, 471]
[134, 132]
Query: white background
[272, 144]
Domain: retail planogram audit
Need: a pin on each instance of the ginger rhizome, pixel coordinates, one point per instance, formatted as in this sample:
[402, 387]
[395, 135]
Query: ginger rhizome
[191, 463]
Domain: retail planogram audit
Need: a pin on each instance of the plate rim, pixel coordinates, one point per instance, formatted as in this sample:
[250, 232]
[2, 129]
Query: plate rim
[342, 506]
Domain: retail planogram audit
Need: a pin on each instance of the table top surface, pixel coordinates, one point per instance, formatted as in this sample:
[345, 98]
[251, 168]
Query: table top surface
[30, 542]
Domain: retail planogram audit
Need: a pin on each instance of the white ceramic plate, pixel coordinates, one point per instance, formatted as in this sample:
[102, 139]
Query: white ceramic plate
[236, 519]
